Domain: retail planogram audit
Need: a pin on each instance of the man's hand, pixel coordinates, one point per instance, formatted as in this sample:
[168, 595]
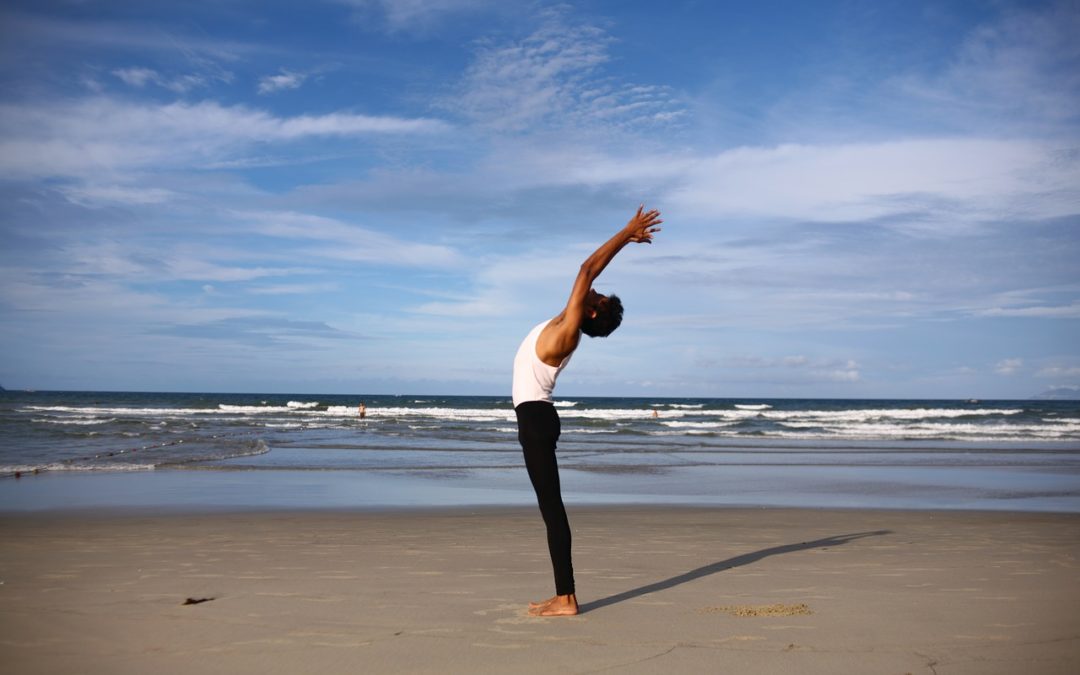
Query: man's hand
[643, 225]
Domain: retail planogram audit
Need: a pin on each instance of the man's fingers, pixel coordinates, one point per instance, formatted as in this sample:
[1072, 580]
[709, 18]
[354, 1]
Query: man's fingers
[647, 219]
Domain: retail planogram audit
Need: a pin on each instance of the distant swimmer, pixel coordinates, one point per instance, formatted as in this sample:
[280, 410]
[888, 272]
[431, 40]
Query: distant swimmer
[541, 357]
[655, 414]
[362, 411]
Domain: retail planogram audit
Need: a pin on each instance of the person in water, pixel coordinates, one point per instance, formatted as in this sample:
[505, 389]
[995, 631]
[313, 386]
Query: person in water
[541, 357]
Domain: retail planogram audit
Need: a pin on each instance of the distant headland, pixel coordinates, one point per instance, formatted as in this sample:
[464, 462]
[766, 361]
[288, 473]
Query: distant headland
[1062, 393]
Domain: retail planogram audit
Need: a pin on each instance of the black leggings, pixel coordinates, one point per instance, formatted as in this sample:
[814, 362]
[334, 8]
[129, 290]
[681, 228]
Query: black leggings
[538, 431]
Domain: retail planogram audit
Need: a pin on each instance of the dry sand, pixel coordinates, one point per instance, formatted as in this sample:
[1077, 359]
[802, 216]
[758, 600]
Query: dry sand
[663, 590]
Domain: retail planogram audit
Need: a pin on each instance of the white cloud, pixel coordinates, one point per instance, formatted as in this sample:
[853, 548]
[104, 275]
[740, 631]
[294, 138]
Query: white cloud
[1008, 366]
[553, 78]
[802, 367]
[1071, 311]
[136, 262]
[136, 77]
[346, 241]
[185, 83]
[47, 29]
[22, 291]
[294, 289]
[977, 178]
[104, 302]
[847, 372]
[417, 14]
[344, 124]
[1059, 371]
[118, 194]
[284, 80]
[98, 134]
[201, 270]
[139, 77]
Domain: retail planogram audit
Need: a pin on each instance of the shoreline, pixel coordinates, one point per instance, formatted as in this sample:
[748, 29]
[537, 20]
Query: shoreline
[165, 513]
[679, 589]
[996, 489]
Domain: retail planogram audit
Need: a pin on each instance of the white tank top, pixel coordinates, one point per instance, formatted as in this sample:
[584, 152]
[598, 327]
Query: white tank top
[534, 380]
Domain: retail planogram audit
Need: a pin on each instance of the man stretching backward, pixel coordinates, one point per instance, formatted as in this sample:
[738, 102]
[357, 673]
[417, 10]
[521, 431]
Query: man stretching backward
[541, 357]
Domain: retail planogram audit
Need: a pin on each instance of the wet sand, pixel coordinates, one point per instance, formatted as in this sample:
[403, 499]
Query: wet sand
[663, 590]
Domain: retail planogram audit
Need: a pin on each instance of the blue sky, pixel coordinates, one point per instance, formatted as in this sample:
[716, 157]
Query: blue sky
[376, 196]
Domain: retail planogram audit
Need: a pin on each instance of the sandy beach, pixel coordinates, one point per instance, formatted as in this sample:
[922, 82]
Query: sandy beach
[663, 590]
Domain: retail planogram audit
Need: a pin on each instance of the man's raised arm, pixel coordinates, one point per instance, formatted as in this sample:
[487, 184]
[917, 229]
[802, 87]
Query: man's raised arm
[562, 335]
[639, 230]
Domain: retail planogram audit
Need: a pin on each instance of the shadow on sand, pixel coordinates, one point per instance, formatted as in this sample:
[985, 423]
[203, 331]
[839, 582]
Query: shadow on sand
[737, 561]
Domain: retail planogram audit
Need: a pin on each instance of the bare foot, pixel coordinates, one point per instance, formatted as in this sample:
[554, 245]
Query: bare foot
[545, 603]
[560, 605]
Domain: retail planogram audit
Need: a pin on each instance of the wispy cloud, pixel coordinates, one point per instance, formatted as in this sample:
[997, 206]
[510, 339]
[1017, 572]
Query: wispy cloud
[1059, 371]
[1022, 68]
[282, 81]
[554, 78]
[501, 286]
[117, 194]
[1008, 366]
[136, 77]
[53, 32]
[416, 15]
[294, 289]
[332, 239]
[134, 260]
[84, 137]
[255, 331]
[140, 77]
[798, 366]
[1071, 311]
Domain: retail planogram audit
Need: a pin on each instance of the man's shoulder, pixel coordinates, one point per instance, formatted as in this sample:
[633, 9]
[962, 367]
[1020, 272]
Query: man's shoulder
[557, 340]
[556, 325]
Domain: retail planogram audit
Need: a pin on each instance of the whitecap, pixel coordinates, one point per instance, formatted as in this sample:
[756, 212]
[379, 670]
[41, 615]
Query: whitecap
[698, 425]
[618, 413]
[80, 422]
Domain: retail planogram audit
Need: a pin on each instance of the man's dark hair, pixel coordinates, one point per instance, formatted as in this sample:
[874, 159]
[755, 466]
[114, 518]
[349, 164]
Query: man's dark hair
[606, 320]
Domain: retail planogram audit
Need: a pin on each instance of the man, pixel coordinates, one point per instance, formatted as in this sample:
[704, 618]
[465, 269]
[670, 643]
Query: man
[540, 358]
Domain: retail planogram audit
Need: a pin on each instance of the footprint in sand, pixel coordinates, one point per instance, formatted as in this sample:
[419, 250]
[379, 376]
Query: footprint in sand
[759, 610]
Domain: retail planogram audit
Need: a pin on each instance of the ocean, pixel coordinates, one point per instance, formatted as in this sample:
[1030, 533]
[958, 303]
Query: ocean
[460, 450]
